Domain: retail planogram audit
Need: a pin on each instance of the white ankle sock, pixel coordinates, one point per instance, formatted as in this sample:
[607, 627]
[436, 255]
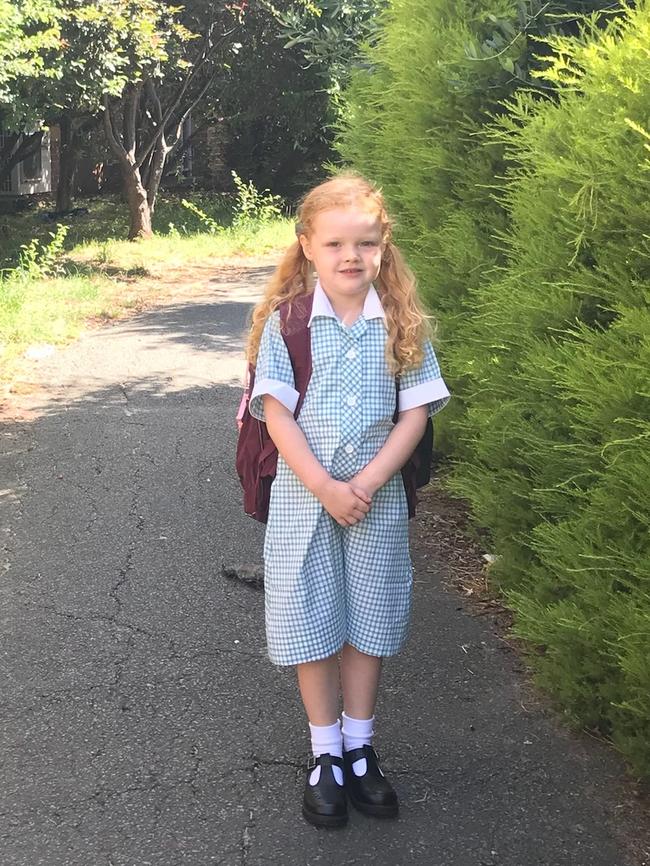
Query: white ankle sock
[357, 733]
[326, 739]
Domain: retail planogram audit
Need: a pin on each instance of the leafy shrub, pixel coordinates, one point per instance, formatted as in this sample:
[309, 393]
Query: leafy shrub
[415, 113]
[191, 214]
[253, 206]
[209, 224]
[555, 353]
[38, 259]
[250, 208]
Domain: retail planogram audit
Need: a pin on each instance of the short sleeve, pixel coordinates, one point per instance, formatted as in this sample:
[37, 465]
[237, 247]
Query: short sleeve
[273, 370]
[423, 385]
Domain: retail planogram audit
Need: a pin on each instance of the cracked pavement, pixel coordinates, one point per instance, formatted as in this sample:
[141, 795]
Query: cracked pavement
[141, 722]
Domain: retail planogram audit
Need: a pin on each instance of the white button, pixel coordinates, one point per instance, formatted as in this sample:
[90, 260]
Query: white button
[352, 354]
[351, 400]
[349, 449]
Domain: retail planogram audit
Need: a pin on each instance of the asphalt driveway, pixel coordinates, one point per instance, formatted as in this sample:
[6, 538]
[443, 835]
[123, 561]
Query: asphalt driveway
[140, 720]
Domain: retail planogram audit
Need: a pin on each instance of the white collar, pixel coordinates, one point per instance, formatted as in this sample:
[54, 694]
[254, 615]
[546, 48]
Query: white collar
[321, 306]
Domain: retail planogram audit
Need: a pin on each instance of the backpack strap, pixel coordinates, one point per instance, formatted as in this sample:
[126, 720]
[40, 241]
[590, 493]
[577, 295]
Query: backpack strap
[294, 319]
[416, 472]
[256, 458]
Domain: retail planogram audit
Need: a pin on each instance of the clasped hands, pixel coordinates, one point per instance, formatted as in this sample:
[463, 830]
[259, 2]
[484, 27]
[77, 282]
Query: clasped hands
[347, 501]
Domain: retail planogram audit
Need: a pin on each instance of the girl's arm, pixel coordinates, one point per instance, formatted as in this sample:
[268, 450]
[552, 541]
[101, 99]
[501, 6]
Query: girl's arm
[395, 451]
[347, 503]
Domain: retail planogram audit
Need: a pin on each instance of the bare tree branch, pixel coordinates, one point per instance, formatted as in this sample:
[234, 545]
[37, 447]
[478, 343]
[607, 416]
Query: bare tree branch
[175, 101]
[109, 129]
[130, 117]
[186, 113]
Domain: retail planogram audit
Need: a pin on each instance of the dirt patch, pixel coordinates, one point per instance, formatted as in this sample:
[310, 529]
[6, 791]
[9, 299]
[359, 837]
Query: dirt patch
[445, 531]
[177, 283]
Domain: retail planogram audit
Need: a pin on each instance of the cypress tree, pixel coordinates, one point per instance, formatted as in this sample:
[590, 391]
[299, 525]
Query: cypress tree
[557, 353]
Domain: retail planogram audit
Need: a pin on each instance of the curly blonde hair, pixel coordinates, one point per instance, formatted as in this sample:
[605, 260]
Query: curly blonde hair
[407, 324]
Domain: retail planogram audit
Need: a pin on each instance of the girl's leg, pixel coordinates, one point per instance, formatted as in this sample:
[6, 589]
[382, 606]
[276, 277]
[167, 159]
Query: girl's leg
[367, 786]
[360, 681]
[319, 689]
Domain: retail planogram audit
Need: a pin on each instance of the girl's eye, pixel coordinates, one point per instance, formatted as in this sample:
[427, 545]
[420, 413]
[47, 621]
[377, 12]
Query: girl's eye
[368, 244]
[332, 243]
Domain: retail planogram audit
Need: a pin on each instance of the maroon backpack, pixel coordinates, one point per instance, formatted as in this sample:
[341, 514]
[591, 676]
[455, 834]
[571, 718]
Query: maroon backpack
[257, 456]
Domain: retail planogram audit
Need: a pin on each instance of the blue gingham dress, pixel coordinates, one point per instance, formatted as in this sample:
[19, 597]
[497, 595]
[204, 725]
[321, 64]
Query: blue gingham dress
[326, 584]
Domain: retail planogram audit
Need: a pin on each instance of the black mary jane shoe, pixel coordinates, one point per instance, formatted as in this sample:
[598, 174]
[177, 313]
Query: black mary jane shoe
[371, 793]
[324, 803]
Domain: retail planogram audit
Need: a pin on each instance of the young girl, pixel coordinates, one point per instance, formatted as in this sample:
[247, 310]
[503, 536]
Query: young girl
[338, 575]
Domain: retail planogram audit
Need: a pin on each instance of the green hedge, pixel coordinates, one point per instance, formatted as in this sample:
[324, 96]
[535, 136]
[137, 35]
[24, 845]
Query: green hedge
[542, 284]
[556, 353]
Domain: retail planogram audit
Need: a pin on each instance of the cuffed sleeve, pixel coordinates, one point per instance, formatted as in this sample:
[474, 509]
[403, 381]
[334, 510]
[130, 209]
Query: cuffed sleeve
[273, 370]
[423, 385]
[287, 395]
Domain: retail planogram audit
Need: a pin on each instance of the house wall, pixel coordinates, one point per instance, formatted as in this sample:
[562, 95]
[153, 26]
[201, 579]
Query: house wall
[32, 176]
[42, 179]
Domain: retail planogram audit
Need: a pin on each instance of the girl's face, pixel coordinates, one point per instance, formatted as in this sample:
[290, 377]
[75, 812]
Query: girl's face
[345, 248]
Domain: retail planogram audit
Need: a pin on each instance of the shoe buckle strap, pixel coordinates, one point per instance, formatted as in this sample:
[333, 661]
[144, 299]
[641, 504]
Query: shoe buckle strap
[362, 752]
[325, 759]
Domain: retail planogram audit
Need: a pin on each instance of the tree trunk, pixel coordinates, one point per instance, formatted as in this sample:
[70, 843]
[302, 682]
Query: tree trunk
[67, 163]
[145, 171]
[136, 194]
[156, 170]
[139, 210]
[146, 156]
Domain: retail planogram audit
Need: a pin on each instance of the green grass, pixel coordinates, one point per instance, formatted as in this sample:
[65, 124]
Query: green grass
[172, 249]
[102, 276]
[48, 311]
[108, 220]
